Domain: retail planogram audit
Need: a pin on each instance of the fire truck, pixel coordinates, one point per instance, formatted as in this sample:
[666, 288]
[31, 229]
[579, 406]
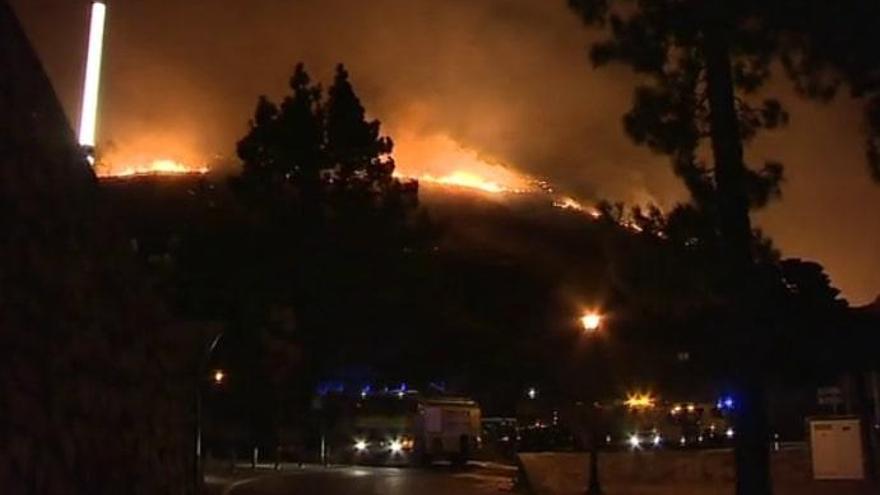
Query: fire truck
[407, 429]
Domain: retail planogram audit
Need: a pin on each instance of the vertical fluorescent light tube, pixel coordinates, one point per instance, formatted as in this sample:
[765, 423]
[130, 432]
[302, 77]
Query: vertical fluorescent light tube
[89, 117]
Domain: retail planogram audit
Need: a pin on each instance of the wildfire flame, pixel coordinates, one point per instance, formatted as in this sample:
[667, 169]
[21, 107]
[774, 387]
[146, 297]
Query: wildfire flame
[469, 180]
[155, 167]
[441, 160]
[433, 159]
[569, 203]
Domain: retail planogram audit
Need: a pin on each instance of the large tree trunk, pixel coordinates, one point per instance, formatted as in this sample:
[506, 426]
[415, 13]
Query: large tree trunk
[752, 454]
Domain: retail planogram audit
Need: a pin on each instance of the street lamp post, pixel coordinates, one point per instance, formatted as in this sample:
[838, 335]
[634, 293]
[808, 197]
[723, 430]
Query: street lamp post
[592, 323]
[219, 377]
[594, 487]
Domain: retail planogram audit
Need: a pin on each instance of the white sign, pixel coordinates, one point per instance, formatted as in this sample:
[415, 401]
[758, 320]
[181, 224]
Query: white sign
[836, 446]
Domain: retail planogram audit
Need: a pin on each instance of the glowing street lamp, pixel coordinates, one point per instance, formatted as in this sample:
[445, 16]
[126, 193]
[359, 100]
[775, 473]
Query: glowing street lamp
[641, 401]
[591, 321]
[89, 117]
[219, 377]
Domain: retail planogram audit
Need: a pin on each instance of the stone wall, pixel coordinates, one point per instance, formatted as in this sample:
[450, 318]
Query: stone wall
[709, 472]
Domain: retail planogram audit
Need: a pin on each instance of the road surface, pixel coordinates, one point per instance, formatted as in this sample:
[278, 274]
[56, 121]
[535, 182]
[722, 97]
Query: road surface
[438, 480]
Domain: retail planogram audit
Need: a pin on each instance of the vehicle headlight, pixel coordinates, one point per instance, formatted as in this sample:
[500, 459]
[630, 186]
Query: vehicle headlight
[729, 433]
[634, 441]
[657, 440]
[360, 445]
[396, 446]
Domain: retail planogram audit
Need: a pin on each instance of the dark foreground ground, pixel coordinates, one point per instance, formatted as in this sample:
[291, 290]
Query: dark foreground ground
[438, 480]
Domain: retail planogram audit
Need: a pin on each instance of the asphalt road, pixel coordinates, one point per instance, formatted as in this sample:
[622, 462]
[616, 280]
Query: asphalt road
[379, 481]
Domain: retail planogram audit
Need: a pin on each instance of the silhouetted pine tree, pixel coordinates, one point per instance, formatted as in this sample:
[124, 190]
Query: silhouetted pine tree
[329, 222]
[322, 155]
[359, 154]
[283, 153]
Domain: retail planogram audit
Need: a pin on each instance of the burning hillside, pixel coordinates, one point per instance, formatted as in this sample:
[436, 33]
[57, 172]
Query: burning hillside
[150, 167]
[467, 180]
[437, 161]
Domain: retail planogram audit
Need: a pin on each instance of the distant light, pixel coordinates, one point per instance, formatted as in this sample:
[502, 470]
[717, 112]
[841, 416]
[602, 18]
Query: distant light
[219, 376]
[725, 403]
[89, 117]
[396, 446]
[691, 408]
[360, 445]
[639, 401]
[682, 441]
[729, 433]
[532, 393]
[407, 443]
[591, 321]
[657, 440]
[634, 441]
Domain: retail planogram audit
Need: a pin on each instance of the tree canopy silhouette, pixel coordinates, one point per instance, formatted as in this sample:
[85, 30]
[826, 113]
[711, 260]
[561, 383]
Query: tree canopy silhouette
[323, 226]
[320, 157]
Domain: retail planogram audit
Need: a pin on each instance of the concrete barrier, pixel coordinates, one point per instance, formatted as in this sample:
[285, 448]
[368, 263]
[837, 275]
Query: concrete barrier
[709, 472]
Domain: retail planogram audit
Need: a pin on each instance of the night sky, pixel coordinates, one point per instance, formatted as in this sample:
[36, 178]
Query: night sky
[507, 79]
